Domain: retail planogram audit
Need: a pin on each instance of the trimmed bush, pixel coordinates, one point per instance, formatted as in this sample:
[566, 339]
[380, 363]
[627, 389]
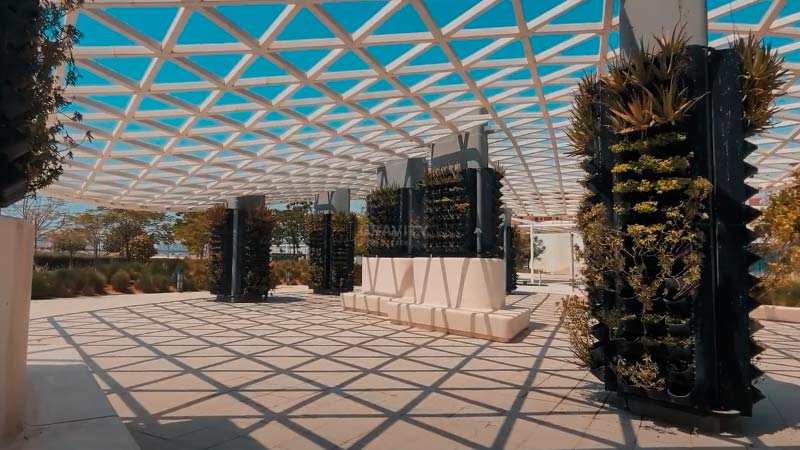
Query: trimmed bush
[161, 283]
[189, 285]
[96, 280]
[145, 283]
[134, 269]
[65, 283]
[121, 281]
[108, 270]
[152, 283]
[41, 285]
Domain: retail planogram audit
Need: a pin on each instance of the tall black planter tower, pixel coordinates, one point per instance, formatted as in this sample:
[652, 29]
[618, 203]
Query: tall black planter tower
[331, 241]
[240, 250]
[509, 251]
[698, 336]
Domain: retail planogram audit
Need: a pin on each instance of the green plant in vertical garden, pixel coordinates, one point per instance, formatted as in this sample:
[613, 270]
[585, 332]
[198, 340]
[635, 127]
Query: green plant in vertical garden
[584, 128]
[315, 224]
[342, 251]
[385, 221]
[446, 207]
[601, 242]
[216, 216]
[763, 76]
[256, 252]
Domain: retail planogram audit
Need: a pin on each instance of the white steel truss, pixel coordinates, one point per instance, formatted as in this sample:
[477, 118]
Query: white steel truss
[256, 113]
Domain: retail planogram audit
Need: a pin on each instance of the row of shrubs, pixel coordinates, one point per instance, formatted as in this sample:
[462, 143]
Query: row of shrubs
[157, 275]
[786, 295]
[150, 277]
[57, 260]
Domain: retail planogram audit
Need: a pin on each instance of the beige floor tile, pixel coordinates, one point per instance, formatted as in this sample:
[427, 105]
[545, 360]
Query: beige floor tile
[194, 374]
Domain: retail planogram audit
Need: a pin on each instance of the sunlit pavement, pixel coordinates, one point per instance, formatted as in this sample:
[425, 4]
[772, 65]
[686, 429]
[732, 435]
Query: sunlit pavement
[300, 373]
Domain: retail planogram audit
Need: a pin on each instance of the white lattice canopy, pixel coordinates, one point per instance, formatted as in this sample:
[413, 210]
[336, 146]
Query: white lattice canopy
[192, 102]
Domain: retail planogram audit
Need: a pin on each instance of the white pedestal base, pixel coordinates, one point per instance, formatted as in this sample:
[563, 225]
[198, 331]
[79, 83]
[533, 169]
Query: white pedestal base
[464, 296]
[498, 325]
[368, 303]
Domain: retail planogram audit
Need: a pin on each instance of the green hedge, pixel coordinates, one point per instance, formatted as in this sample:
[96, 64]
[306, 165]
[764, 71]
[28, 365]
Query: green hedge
[54, 261]
[150, 277]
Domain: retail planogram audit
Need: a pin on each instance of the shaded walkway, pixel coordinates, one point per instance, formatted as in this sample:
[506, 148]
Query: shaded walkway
[299, 373]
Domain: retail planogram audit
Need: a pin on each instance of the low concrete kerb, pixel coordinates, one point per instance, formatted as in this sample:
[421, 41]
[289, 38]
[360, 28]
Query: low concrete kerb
[776, 313]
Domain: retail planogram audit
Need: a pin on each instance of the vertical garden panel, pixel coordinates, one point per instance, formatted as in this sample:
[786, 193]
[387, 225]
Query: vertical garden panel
[453, 200]
[665, 228]
[331, 247]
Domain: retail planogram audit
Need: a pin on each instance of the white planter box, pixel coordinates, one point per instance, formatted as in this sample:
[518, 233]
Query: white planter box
[465, 283]
[390, 277]
[464, 296]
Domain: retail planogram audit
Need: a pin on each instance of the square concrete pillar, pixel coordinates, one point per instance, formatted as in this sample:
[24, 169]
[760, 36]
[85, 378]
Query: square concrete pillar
[16, 268]
[333, 201]
[469, 149]
[402, 173]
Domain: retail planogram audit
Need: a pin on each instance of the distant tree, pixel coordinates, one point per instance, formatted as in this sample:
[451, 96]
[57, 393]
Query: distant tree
[361, 234]
[70, 240]
[46, 214]
[91, 224]
[36, 41]
[142, 248]
[193, 229]
[125, 226]
[164, 233]
[522, 248]
[778, 229]
[289, 227]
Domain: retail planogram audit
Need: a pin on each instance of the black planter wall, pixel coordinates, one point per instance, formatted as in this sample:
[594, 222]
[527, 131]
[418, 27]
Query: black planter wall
[241, 273]
[388, 227]
[331, 245]
[256, 243]
[684, 323]
[220, 250]
[457, 201]
[510, 254]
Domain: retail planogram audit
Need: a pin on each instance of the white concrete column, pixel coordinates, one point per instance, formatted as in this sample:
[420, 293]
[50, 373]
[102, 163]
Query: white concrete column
[16, 267]
[639, 20]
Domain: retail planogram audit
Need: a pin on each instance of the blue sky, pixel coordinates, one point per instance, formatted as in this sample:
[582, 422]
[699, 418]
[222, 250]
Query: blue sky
[154, 22]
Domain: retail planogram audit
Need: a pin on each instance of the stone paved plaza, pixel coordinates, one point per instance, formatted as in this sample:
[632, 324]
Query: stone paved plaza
[300, 373]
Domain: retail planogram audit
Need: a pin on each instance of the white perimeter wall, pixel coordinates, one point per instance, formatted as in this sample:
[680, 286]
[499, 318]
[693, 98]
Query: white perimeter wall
[557, 254]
